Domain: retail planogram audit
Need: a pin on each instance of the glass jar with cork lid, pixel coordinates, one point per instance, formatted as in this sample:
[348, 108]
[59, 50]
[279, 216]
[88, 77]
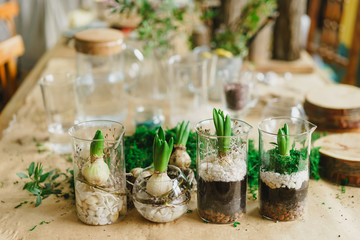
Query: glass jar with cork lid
[100, 88]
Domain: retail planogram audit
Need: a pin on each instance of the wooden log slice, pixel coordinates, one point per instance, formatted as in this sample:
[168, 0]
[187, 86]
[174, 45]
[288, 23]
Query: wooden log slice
[334, 107]
[340, 158]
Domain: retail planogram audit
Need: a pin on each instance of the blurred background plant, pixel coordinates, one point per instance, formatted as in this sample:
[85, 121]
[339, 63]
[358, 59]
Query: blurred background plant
[159, 21]
[234, 30]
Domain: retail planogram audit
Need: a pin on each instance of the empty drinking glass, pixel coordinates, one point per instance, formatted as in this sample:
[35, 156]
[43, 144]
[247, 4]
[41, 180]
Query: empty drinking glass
[59, 102]
[189, 77]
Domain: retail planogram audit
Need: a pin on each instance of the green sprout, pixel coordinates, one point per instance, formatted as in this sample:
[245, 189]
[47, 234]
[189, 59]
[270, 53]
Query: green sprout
[161, 151]
[180, 157]
[283, 140]
[223, 129]
[160, 183]
[97, 145]
[96, 171]
[182, 133]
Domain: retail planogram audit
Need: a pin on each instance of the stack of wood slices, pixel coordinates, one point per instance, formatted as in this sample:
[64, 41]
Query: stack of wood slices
[336, 109]
[340, 158]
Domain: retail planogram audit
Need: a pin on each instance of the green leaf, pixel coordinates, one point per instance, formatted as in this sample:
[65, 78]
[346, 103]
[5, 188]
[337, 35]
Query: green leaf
[56, 176]
[182, 133]
[178, 127]
[283, 140]
[186, 133]
[38, 201]
[97, 145]
[31, 169]
[44, 176]
[161, 134]
[216, 123]
[227, 133]
[223, 128]
[35, 191]
[33, 228]
[235, 224]
[28, 185]
[220, 121]
[161, 151]
[171, 145]
[22, 175]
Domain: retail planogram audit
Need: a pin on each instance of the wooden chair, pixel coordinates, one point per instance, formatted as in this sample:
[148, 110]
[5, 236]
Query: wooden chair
[10, 49]
[328, 45]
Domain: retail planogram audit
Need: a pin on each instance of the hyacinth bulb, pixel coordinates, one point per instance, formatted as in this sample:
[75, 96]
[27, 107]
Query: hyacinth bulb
[180, 157]
[97, 172]
[159, 184]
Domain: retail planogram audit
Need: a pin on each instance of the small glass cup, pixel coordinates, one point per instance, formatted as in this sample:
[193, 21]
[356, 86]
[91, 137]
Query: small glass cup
[284, 179]
[165, 208]
[239, 92]
[59, 102]
[190, 79]
[232, 67]
[106, 203]
[221, 176]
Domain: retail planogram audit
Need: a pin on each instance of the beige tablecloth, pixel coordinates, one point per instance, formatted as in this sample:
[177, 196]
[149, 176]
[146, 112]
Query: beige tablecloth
[331, 213]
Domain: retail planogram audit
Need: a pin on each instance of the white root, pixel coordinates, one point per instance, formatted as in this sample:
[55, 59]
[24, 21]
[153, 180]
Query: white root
[161, 214]
[97, 207]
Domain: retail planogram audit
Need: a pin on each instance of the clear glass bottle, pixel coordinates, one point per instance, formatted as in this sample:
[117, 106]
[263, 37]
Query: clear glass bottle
[102, 201]
[284, 178]
[221, 178]
[100, 85]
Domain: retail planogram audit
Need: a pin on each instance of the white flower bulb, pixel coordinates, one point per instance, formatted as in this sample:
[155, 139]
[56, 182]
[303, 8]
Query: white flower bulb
[97, 172]
[159, 184]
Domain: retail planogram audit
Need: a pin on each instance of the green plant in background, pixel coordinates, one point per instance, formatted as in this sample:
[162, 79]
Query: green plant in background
[223, 130]
[159, 20]
[237, 37]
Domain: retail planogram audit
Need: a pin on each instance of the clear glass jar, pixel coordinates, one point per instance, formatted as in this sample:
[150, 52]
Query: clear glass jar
[99, 203]
[284, 178]
[100, 85]
[221, 178]
[167, 207]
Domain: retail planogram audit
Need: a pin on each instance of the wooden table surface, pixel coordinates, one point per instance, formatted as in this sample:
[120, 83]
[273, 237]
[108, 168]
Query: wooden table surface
[332, 213]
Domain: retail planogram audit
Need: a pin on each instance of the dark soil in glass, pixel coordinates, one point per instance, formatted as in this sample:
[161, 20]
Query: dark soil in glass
[236, 95]
[221, 202]
[282, 204]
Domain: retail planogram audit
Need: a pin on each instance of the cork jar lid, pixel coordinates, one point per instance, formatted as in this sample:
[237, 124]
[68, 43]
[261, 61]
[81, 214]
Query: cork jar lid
[101, 41]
